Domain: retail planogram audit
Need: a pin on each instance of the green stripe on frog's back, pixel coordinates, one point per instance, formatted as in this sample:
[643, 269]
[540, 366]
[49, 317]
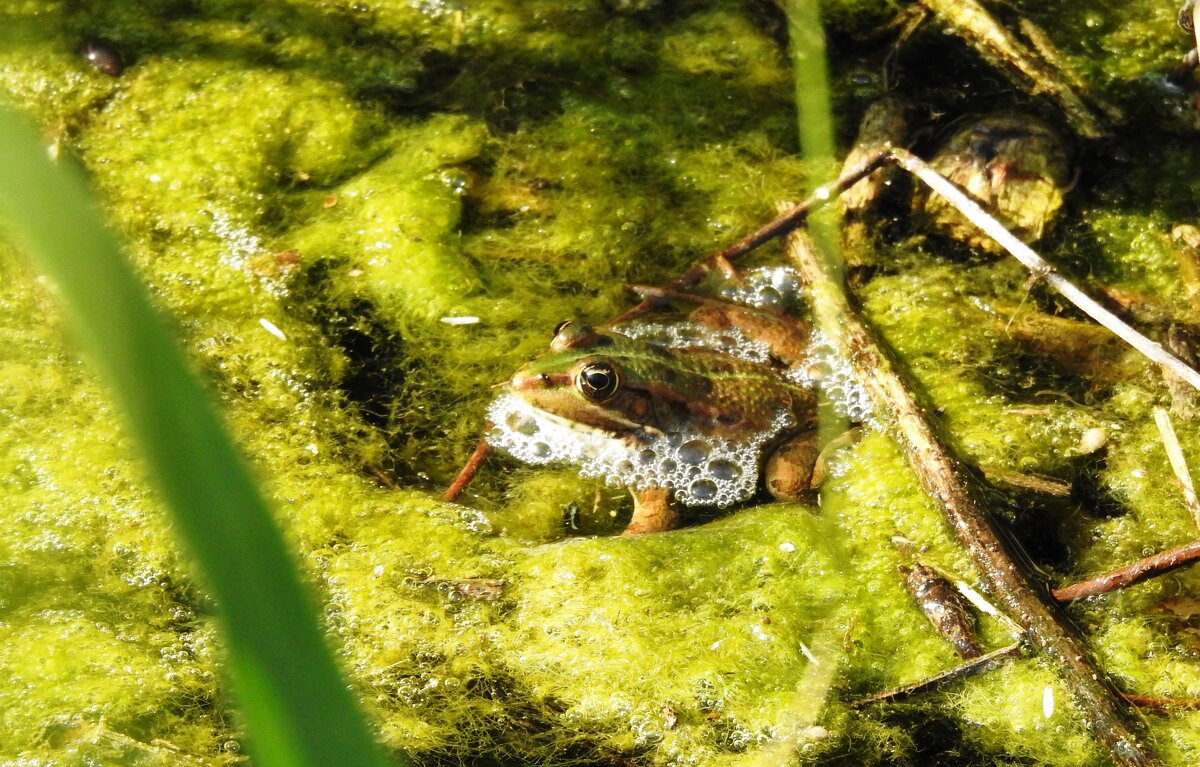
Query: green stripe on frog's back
[661, 388]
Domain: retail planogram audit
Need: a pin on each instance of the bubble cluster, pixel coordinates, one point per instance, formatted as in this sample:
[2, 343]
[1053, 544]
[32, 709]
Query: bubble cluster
[766, 287]
[826, 370]
[699, 469]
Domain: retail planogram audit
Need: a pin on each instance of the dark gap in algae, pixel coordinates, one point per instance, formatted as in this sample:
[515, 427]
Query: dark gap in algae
[1035, 521]
[376, 379]
[1089, 488]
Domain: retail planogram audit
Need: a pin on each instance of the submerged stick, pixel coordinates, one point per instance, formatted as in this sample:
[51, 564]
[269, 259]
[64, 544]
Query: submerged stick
[467, 472]
[973, 667]
[944, 479]
[1135, 572]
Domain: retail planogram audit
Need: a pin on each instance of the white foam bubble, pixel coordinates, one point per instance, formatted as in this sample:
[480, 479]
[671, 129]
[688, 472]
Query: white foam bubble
[826, 370]
[766, 287]
[699, 469]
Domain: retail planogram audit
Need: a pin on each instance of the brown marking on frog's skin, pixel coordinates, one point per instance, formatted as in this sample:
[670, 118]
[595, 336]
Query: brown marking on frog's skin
[634, 390]
[788, 337]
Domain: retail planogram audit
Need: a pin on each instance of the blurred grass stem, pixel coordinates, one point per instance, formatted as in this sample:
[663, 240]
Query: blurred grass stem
[297, 707]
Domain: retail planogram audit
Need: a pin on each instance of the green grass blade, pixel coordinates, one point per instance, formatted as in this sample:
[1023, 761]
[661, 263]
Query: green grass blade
[297, 707]
[814, 111]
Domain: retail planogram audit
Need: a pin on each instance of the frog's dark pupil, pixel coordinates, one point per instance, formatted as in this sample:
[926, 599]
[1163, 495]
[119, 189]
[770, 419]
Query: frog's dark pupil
[598, 381]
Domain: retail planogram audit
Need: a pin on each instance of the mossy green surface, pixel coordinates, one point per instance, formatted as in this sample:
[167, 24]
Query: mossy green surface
[311, 187]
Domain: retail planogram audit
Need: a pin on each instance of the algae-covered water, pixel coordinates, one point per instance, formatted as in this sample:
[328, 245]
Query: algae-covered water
[313, 188]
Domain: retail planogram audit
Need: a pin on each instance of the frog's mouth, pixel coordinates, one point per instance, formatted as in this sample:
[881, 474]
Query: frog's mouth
[615, 427]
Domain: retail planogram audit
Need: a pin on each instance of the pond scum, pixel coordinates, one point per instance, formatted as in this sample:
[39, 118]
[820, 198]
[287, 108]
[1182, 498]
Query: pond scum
[312, 188]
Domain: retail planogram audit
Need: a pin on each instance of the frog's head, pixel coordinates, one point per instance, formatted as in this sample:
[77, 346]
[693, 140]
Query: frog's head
[592, 379]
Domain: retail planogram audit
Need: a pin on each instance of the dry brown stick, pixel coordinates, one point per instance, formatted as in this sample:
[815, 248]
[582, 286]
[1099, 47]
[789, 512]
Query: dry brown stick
[1135, 572]
[1170, 441]
[1047, 629]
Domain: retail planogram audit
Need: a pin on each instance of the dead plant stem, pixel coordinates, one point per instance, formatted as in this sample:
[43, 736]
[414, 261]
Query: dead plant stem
[1046, 629]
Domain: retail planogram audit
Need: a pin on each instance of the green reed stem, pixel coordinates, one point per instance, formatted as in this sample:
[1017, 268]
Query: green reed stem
[297, 707]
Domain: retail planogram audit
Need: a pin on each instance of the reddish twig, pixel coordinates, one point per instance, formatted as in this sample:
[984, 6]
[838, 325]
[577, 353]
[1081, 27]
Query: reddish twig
[467, 472]
[1141, 570]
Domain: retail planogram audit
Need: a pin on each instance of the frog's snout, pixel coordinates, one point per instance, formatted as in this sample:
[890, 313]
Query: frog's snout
[529, 381]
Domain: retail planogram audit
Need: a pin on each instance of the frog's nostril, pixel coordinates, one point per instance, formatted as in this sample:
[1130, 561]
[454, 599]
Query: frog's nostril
[527, 381]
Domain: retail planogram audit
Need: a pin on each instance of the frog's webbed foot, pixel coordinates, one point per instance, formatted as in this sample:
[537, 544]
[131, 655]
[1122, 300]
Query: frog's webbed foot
[798, 467]
[652, 512]
[848, 438]
[789, 469]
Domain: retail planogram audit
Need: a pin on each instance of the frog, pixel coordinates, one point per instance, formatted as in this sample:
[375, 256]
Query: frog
[1017, 165]
[688, 413]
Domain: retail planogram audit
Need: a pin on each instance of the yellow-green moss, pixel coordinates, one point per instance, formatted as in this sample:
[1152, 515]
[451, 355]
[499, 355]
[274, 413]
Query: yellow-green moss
[350, 175]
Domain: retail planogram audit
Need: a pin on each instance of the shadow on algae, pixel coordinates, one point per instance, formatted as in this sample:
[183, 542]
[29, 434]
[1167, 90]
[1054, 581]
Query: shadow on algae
[310, 188]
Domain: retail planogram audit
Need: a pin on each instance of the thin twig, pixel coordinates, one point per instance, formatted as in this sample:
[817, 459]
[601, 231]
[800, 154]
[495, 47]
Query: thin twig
[944, 479]
[467, 472]
[1161, 704]
[1178, 465]
[1040, 267]
[1136, 572]
[786, 222]
[972, 667]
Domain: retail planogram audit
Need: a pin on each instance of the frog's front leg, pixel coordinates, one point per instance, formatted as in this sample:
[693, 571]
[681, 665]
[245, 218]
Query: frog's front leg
[652, 512]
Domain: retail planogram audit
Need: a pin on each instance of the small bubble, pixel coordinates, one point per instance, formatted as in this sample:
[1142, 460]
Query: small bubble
[693, 452]
[704, 491]
[724, 470]
[669, 466]
[520, 424]
[768, 296]
[646, 455]
[541, 450]
[624, 467]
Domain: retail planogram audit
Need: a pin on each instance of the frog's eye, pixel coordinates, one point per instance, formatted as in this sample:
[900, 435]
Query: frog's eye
[598, 381]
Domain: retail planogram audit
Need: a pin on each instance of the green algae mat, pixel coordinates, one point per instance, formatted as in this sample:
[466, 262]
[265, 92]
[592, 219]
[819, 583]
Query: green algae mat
[363, 216]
